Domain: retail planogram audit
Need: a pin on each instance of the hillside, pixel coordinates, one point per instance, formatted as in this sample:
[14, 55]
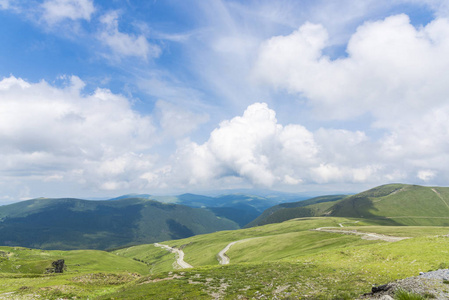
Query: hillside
[325, 257]
[285, 211]
[289, 260]
[84, 224]
[392, 204]
[398, 204]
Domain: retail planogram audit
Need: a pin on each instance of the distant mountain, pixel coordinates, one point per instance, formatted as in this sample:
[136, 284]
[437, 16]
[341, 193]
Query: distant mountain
[397, 204]
[128, 196]
[84, 224]
[306, 208]
[238, 207]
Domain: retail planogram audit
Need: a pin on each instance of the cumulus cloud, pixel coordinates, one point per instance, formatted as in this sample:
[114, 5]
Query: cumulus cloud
[255, 149]
[394, 72]
[391, 65]
[58, 10]
[124, 44]
[52, 133]
[258, 150]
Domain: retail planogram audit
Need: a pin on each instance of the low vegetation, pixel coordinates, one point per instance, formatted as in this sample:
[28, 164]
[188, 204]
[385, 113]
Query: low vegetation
[288, 260]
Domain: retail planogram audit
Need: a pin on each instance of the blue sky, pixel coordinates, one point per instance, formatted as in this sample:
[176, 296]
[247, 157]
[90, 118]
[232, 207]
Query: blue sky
[102, 98]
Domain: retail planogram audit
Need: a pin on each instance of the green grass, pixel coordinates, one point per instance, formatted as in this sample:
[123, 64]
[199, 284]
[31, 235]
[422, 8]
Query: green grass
[405, 295]
[89, 272]
[400, 204]
[158, 259]
[283, 261]
[33, 261]
[290, 245]
[274, 241]
[335, 273]
[202, 250]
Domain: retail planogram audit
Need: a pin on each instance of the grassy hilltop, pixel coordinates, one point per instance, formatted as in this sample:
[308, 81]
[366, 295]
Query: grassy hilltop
[392, 204]
[304, 258]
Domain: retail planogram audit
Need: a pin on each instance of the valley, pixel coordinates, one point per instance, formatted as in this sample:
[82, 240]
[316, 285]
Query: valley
[312, 257]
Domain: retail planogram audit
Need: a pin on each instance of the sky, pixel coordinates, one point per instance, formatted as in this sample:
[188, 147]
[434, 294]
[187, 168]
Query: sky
[100, 98]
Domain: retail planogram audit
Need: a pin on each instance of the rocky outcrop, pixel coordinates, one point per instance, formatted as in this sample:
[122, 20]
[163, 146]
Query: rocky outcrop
[434, 284]
[58, 266]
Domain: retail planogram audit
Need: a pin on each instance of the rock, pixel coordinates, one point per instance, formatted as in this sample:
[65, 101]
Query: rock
[380, 288]
[58, 265]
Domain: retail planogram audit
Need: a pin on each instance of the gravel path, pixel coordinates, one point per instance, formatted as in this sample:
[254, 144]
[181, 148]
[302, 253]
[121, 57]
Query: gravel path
[179, 255]
[439, 196]
[341, 224]
[223, 259]
[364, 235]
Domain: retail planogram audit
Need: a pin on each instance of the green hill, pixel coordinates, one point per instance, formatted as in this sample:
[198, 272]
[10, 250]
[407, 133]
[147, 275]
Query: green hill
[306, 208]
[397, 204]
[328, 257]
[84, 224]
[287, 260]
[392, 204]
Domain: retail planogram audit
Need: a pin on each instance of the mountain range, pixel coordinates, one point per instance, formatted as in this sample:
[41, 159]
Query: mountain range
[67, 223]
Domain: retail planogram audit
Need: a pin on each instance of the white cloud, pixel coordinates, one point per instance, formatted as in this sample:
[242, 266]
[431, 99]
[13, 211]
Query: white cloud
[259, 150]
[124, 44]
[394, 73]
[254, 148]
[58, 10]
[390, 66]
[426, 175]
[49, 133]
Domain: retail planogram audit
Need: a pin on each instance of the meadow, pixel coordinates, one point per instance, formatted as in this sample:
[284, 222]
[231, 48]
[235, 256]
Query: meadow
[278, 261]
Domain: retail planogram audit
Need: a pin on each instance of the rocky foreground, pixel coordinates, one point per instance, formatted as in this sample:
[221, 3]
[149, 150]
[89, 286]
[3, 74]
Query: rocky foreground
[434, 285]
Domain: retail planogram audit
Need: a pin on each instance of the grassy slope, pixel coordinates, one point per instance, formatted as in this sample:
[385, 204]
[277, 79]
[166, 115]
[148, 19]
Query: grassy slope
[286, 259]
[401, 204]
[342, 273]
[158, 259]
[393, 204]
[290, 261]
[89, 272]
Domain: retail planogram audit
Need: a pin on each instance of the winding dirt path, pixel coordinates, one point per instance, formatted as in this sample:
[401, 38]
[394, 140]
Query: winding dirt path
[223, 259]
[179, 256]
[439, 196]
[341, 224]
[364, 235]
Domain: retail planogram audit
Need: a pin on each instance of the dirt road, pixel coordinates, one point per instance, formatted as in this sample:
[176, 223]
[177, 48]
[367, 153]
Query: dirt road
[223, 259]
[179, 256]
[364, 235]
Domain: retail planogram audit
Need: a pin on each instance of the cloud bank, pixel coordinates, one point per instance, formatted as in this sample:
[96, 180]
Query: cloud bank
[58, 133]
